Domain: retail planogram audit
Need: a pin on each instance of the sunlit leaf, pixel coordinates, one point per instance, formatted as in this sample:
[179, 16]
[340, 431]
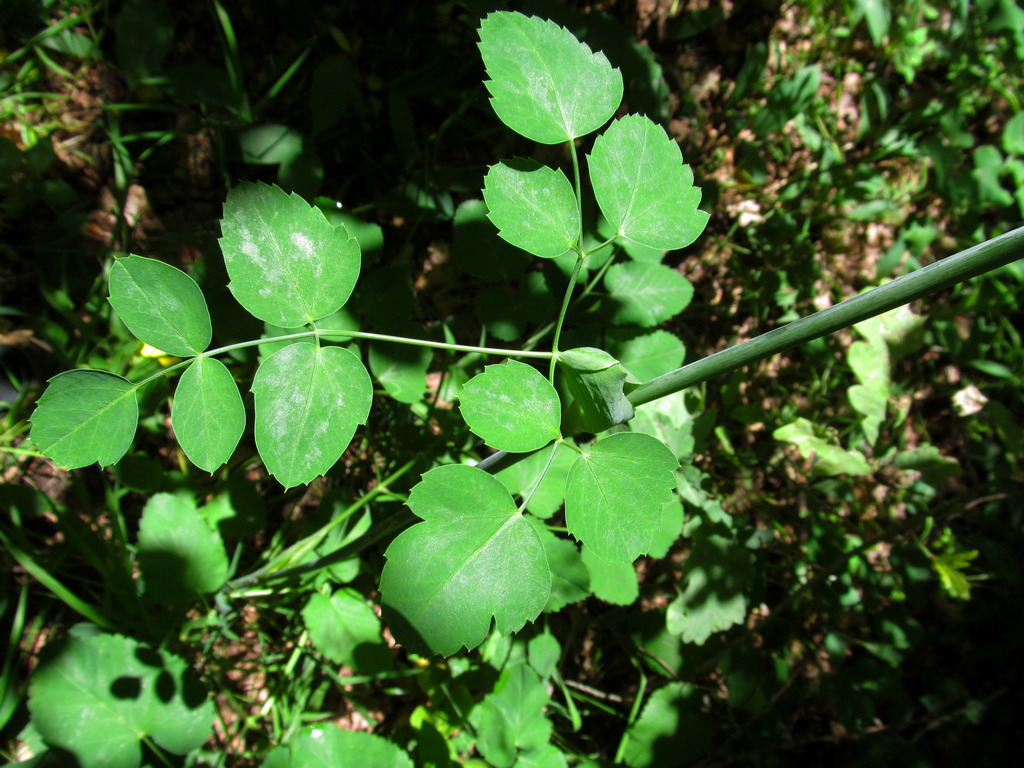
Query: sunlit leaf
[830, 459]
[512, 407]
[615, 494]
[570, 581]
[644, 190]
[645, 293]
[473, 558]
[326, 744]
[181, 555]
[85, 417]
[545, 84]
[309, 401]
[533, 207]
[288, 265]
[98, 696]
[208, 416]
[160, 305]
[870, 363]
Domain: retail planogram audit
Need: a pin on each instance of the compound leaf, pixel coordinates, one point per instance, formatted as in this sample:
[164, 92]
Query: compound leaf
[715, 598]
[288, 265]
[160, 305]
[512, 407]
[208, 416]
[181, 555]
[642, 187]
[615, 494]
[85, 417]
[309, 401]
[646, 293]
[474, 556]
[329, 745]
[511, 719]
[346, 630]
[545, 84]
[98, 696]
[533, 207]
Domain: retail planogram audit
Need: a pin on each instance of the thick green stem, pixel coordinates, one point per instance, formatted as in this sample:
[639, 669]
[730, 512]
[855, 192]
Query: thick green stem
[962, 266]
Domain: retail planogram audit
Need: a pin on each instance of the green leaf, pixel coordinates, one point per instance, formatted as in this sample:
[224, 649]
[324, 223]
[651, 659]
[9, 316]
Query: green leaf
[545, 84]
[870, 363]
[207, 415]
[478, 249]
[830, 459]
[533, 207]
[544, 653]
[180, 555]
[288, 265]
[511, 719]
[570, 581]
[85, 417]
[520, 477]
[612, 582]
[160, 305]
[346, 630]
[597, 384]
[402, 368]
[642, 187]
[950, 569]
[615, 494]
[325, 745]
[645, 293]
[473, 557]
[669, 530]
[511, 407]
[309, 401]
[98, 696]
[715, 598]
[673, 729]
[647, 355]
[669, 420]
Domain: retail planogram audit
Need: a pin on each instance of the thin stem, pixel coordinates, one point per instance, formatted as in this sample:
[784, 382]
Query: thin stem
[561, 315]
[962, 266]
[540, 479]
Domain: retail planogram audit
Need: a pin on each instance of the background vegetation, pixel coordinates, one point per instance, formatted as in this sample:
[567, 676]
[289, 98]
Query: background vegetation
[847, 585]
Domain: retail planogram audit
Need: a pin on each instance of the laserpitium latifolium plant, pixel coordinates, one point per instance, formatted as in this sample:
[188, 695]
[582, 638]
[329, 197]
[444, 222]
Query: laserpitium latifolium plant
[477, 556]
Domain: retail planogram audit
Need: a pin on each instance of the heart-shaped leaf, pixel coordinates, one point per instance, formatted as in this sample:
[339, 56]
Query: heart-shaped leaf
[161, 305]
[473, 558]
[615, 494]
[329, 745]
[85, 417]
[288, 265]
[309, 401]
[545, 84]
[644, 190]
